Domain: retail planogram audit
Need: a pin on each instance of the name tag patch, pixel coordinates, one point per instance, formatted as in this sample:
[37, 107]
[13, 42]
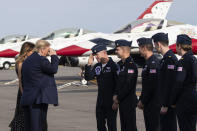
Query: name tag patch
[108, 69]
[171, 67]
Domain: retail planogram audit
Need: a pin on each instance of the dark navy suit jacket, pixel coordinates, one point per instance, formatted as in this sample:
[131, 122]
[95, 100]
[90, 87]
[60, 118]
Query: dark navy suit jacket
[38, 80]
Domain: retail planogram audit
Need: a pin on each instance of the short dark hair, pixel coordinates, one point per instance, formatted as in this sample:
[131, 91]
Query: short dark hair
[164, 43]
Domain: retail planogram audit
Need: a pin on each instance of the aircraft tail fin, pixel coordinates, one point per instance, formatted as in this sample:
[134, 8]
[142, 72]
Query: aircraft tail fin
[158, 10]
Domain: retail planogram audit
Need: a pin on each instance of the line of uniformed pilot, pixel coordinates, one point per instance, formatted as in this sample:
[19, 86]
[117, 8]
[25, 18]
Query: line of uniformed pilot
[149, 100]
[166, 81]
[168, 85]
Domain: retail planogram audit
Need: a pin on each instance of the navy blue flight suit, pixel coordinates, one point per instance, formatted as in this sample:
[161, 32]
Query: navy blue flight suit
[185, 95]
[150, 94]
[106, 79]
[126, 94]
[168, 121]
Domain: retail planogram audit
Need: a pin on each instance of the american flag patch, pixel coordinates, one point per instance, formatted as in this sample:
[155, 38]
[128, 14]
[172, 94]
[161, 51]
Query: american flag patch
[153, 71]
[170, 66]
[130, 71]
[180, 69]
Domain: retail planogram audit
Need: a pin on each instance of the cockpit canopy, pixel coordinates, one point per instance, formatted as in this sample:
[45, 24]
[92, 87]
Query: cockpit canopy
[15, 38]
[66, 33]
[144, 25]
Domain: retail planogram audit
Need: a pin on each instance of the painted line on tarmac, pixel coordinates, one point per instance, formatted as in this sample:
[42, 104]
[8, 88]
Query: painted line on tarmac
[76, 83]
[11, 82]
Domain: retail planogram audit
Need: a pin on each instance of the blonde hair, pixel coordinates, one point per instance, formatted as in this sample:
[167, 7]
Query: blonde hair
[25, 49]
[41, 44]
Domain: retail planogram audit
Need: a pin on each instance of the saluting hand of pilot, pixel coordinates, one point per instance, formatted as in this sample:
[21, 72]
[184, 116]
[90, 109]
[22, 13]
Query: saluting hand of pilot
[91, 60]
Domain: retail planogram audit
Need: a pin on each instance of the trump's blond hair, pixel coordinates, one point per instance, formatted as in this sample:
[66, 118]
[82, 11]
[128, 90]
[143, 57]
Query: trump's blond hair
[41, 44]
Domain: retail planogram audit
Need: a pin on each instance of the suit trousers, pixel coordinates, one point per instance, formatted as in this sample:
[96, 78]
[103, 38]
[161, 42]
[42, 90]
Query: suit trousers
[35, 117]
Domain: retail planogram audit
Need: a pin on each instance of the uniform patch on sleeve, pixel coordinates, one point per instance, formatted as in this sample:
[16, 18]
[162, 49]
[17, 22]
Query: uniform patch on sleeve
[180, 69]
[153, 71]
[171, 67]
[130, 71]
[98, 70]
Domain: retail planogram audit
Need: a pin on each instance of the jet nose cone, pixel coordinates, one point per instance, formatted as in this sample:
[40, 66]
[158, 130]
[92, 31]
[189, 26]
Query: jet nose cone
[8, 53]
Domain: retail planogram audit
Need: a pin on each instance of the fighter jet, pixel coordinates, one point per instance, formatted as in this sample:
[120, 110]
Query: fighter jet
[75, 50]
[66, 45]
[14, 39]
[10, 45]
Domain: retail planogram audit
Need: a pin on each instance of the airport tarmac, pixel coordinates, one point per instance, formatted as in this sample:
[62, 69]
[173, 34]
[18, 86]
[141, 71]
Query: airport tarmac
[76, 111]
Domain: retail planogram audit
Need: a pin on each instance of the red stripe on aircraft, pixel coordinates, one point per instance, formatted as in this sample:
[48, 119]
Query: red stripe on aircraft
[72, 51]
[8, 53]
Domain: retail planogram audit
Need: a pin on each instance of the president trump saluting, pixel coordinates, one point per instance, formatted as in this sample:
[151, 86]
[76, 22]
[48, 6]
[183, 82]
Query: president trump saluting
[39, 85]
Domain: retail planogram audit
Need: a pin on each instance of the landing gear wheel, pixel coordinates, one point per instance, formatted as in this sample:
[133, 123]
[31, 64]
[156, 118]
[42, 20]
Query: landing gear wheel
[83, 81]
[6, 66]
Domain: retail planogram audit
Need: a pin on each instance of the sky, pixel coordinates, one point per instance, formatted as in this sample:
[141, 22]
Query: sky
[40, 17]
